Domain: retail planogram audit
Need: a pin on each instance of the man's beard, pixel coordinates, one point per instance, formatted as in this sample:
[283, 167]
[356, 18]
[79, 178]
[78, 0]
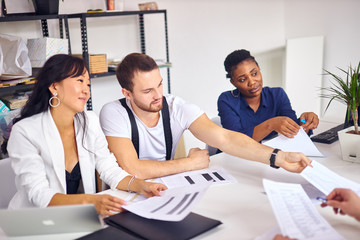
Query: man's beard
[151, 107]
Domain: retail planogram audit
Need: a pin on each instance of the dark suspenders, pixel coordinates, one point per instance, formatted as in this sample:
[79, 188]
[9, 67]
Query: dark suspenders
[166, 124]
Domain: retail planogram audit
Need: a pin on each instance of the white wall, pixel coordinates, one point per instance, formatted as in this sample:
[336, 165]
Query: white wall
[336, 20]
[303, 76]
[202, 33]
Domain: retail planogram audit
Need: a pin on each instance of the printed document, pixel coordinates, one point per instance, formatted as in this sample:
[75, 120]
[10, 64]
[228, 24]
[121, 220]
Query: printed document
[296, 215]
[326, 180]
[174, 204]
[213, 176]
[300, 143]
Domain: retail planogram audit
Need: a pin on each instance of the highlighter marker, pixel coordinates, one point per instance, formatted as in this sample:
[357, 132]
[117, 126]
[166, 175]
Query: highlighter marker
[302, 120]
[323, 200]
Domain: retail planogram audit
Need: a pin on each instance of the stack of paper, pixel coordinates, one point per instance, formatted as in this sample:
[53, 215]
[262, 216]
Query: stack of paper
[7, 80]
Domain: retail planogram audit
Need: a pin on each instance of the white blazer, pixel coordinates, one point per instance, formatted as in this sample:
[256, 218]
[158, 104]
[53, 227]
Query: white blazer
[38, 160]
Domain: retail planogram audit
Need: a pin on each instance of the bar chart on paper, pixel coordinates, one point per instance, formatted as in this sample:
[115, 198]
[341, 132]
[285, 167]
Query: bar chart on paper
[174, 204]
[213, 176]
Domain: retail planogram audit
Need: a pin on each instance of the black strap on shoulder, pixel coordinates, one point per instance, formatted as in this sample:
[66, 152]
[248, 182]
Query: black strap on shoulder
[134, 129]
[167, 128]
[166, 124]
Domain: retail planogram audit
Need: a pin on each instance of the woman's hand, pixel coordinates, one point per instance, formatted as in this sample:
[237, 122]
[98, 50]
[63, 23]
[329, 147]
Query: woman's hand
[285, 126]
[311, 121]
[106, 204]
[344, 201]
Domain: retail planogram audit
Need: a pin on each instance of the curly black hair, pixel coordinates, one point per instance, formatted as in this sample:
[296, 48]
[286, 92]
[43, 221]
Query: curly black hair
[234, 58]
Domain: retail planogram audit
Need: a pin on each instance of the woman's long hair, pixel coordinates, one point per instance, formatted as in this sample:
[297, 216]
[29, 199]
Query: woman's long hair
[56, 69]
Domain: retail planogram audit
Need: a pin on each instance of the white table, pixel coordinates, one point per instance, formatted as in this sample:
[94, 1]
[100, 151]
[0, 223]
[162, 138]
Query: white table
[245, 210]
[243, 207]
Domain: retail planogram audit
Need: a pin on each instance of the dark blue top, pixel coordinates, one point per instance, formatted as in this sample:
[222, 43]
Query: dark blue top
[236, 114]
[73, 180]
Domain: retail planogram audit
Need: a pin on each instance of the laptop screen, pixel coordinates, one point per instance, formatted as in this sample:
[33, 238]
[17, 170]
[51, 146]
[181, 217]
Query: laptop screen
[50, 220]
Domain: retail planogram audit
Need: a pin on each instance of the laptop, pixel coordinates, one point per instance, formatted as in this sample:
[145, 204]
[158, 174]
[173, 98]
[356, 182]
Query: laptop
[50, 220]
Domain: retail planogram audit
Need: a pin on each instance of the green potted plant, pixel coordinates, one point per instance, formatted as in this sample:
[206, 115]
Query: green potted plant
[347, 90]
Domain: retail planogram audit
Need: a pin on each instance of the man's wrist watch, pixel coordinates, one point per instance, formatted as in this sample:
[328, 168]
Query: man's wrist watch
[273, 157]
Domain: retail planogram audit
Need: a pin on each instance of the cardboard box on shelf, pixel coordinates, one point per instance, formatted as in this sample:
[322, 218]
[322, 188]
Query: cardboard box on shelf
[40, 49]
[98, 63]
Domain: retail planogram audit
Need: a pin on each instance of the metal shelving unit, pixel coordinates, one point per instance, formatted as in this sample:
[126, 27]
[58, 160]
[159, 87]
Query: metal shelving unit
[63, 20]
[63, 24]
[84, 36]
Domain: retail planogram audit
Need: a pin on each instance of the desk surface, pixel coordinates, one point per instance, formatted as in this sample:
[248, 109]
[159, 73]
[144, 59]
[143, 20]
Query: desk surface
[245, 210]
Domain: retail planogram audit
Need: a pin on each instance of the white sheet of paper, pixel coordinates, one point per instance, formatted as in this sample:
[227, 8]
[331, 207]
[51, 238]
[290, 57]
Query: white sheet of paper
[174, 204]
[326, 180]
[300, 143]
[313, 193]
[269, 234]
[214, 176]
[296, 215]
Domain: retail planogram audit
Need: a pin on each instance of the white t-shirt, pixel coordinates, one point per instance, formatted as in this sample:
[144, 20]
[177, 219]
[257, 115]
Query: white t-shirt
[115, 122]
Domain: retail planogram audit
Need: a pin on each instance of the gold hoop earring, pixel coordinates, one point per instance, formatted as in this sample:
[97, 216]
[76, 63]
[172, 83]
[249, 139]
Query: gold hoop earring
[56, 98]
[232, 93]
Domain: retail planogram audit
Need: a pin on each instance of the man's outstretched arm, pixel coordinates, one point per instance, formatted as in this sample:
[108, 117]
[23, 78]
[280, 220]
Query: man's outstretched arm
[240, 145]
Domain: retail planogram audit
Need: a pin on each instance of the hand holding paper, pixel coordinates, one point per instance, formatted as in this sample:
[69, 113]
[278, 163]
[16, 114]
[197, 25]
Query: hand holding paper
[300, 143]
[174, 204]
[295, 214]
[326, 180]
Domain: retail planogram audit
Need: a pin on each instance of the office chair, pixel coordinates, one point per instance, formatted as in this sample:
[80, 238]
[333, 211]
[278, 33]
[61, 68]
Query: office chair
[211, 149]
[7, 182]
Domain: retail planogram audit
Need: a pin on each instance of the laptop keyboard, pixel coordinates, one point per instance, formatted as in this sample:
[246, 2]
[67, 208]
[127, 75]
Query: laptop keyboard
[328, 136]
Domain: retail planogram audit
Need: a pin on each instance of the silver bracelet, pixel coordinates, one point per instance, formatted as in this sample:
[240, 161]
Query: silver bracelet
[131, 180]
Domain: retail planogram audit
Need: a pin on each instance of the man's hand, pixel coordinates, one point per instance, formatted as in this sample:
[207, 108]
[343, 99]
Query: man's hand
[199, 158]
[281, 237]
[292, 162]
[149, 189]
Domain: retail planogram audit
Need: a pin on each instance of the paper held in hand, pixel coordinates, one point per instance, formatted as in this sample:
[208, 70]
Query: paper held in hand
[300, 143]
[174, 204]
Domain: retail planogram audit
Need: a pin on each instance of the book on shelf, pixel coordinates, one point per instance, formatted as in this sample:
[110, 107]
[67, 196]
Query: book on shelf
[112, 64]
[162, 63]
[7, 81]
[15, 101]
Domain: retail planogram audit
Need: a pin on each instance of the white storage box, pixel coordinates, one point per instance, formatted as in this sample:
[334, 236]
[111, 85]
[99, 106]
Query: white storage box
[40, 49]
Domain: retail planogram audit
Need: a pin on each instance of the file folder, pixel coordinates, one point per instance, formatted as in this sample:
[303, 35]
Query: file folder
[143, 228]
[109, 233]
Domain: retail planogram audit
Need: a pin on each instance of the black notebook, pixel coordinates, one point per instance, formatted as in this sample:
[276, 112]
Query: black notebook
[144, 228]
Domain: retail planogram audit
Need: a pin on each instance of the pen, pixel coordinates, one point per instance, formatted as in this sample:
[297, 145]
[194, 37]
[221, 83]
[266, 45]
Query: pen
[302, 120]
[324, 200]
